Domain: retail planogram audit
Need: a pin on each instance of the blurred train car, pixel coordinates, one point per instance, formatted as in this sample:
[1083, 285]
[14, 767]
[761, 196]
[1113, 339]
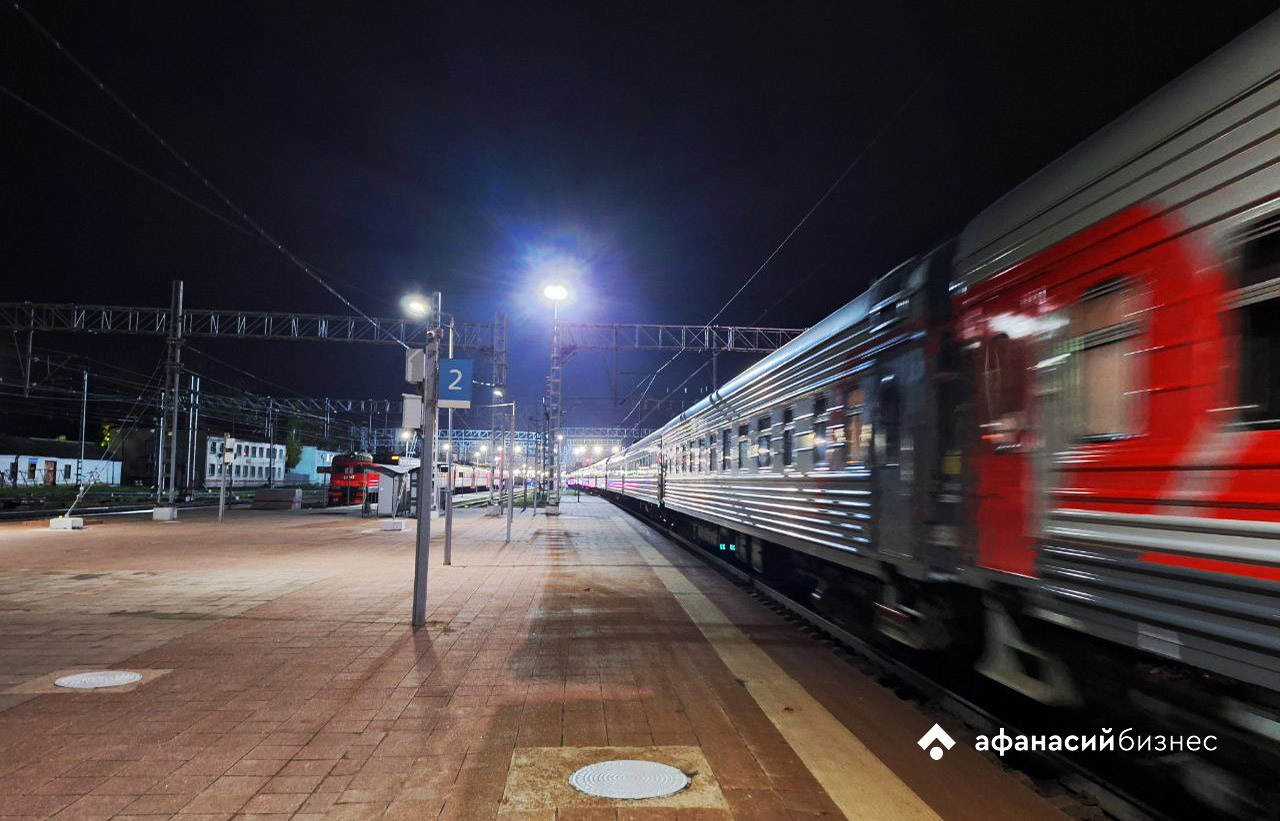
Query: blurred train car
[1048, 450]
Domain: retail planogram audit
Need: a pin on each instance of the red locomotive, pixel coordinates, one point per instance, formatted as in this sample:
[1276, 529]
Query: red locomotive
[351, 478]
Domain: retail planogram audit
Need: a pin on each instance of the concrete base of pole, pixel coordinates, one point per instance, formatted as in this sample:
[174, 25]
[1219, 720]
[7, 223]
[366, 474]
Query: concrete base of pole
[552, 509]
[492, 510]
[66, 523]
[165, 514]
[392, 524]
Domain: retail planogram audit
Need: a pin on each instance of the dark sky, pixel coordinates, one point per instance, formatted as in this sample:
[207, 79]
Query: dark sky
[669, 147]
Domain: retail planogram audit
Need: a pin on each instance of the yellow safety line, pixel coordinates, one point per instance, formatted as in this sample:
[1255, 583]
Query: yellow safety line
[855, 778]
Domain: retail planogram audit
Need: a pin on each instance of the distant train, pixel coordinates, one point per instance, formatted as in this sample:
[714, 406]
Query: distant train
[353, 475]
[1048, 450]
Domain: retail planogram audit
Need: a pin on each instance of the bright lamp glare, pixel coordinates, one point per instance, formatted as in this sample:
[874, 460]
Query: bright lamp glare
[415, 305]
[555, 292]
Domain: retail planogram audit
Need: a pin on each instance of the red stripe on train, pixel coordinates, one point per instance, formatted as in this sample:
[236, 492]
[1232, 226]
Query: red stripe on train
[1252, 571]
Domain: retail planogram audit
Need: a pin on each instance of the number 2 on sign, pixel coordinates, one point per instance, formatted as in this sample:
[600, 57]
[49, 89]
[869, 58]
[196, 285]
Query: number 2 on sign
[456, 384]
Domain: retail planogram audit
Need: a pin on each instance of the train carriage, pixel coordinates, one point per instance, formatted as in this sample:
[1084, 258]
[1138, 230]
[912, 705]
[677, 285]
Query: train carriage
[1051, 446]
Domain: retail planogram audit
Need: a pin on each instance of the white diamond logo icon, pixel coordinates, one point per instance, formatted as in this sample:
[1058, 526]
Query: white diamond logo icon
[938, 736]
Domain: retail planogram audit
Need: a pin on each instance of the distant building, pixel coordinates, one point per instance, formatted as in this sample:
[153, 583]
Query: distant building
[307, 469]
[254, 463]
[31, 462]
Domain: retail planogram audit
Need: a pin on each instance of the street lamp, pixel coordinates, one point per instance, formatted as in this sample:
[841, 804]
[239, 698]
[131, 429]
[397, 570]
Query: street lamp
[416, 305]
[555, 292]
[420, 306]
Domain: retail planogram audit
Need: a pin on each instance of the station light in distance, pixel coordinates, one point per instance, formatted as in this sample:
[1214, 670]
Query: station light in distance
[416, 305]
[555, 292]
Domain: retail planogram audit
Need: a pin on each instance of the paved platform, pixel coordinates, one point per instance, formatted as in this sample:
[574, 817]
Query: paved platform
[282, 679]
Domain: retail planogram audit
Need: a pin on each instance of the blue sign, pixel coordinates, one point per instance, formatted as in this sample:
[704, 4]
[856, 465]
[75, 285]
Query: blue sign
[455, 383]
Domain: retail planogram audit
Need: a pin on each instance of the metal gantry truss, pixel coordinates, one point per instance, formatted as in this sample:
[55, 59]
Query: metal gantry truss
[177, 324]
[601, 336]
[203, 323]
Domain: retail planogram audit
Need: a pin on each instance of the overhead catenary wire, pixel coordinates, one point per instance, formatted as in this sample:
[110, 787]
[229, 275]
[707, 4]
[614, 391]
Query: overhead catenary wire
[185, 163]
[848, 169]
[55, 121]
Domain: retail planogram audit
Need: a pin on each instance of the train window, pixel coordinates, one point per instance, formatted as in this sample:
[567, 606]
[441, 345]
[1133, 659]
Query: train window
[820, 430]
[724, 449]
[744, 445]
[853, 402]
[1102, 334]
[764, 458]
[1259, 321]
[711, 459]
[788, 437]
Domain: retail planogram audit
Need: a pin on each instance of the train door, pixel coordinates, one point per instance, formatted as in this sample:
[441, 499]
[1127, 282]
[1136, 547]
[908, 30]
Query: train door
[892, 511]
[662, 474]
[1001, 461]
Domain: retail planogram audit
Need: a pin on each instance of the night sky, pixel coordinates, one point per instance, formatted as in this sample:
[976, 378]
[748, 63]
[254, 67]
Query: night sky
[668, 147]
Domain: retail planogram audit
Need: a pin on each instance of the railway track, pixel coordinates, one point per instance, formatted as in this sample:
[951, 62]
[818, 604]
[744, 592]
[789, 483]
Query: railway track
[1088, 793]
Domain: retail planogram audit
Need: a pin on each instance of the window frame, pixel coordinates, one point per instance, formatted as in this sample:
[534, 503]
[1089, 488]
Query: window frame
[1079, 342]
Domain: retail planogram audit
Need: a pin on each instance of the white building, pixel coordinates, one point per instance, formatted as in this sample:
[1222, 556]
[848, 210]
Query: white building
[254, 463]
[31, 462]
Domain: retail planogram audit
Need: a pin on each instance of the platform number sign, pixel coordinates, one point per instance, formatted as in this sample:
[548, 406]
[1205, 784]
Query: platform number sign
[455, 383]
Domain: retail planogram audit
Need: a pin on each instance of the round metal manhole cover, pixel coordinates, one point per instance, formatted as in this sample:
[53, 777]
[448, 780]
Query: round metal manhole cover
[98, 678]
[629, 779]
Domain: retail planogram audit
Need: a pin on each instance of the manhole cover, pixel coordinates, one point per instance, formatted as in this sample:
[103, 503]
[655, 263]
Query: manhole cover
[98, 678]
[629, 779]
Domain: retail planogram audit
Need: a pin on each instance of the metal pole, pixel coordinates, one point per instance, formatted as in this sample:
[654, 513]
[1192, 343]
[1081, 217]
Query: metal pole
[84, 408]
[430, 387]
[553, 494]
[160, 449]
[188, 478]
[175, 362]
[26, 373]
[271, 441]
[226, 468]
[448, 496]
[511, 471]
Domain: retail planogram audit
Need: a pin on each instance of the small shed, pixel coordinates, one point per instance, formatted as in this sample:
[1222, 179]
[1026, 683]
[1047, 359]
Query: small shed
[31, 462]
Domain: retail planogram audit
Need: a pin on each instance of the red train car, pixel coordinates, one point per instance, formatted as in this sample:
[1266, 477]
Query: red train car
[351, 478]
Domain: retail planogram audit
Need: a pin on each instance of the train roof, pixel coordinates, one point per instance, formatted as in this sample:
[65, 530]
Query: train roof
[851, 313]
[1126, 162]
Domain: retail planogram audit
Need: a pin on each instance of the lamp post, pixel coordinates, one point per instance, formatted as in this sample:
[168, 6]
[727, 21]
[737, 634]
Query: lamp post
[430, 378]
[493, 469]
[556, 293]
[508, 461]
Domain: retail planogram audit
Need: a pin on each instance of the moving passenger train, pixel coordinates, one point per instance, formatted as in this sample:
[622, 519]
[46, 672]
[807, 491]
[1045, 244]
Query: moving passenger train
[1048, 449]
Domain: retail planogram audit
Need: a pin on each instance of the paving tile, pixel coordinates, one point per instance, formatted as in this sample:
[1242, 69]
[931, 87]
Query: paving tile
[296, 687]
